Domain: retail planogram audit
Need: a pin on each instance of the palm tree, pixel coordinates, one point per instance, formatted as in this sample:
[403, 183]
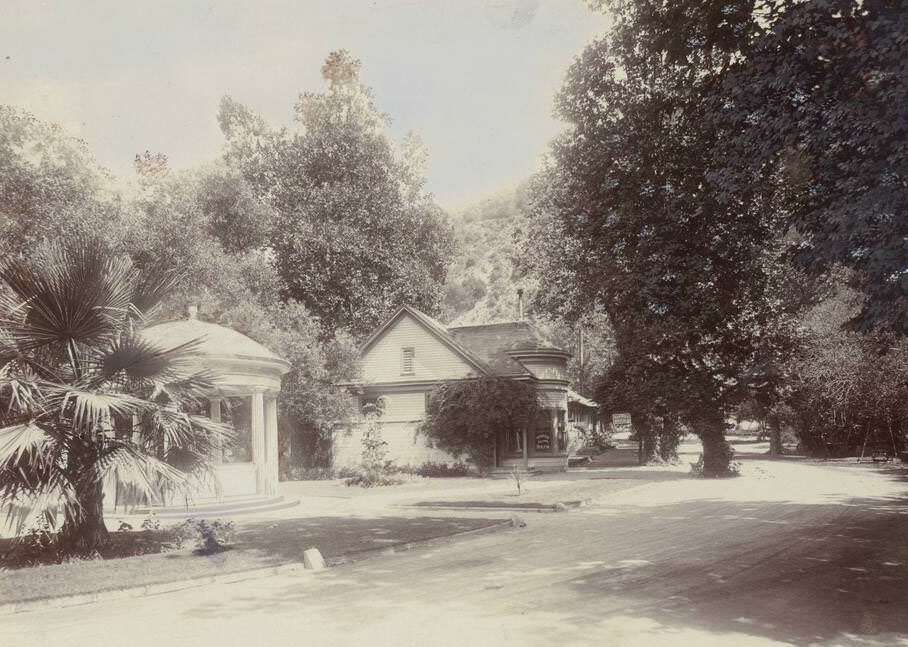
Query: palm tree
[84, 397]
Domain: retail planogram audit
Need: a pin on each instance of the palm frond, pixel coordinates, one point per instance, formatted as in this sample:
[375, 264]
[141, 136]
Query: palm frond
[189, 390]
[191, 432]
[21, 441]
[140, 359]
[55, 497]
[147, 474]
[88, 408]
[70, 295]
[150, 289]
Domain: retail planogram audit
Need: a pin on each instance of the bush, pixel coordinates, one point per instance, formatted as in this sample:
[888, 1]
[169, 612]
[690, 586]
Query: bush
[443, 470]
[39, 545]
[466, 418]
[209, 536]
[373, 478]
[375, 469]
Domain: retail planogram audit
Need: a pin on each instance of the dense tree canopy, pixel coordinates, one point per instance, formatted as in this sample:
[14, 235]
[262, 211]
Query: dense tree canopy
[50, 185]
[204, 222]
[355, 234]
[708, 144]
[678, 271]
[814, 93]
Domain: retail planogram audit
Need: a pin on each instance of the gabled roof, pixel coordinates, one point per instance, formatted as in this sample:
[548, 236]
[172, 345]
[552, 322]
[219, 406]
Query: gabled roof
[434, 327]
[495, 343]
[489, 347]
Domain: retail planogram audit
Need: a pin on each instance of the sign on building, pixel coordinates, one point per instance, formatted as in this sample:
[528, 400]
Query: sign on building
[621, 422]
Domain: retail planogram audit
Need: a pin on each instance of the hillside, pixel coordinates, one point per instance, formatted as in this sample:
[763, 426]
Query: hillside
[482, 286]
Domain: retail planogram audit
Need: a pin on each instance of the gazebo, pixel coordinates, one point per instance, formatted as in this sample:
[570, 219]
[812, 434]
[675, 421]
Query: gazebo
[242, 368]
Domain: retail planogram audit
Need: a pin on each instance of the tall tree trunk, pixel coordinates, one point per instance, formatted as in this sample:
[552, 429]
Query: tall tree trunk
[717, 453]
[669, 438]
[84, 530]
[775, 437]
[646, 438]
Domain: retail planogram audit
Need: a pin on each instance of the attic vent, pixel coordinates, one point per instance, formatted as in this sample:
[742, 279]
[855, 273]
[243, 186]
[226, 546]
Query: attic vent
[406, 362]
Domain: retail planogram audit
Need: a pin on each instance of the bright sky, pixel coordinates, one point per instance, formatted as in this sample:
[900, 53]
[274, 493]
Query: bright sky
[475, 79]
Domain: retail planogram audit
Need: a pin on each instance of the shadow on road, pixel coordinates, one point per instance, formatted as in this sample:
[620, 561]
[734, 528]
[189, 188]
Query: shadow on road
[715, 571]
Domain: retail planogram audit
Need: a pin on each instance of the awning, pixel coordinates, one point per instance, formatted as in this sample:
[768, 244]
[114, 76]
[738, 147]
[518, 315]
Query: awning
[573, 396]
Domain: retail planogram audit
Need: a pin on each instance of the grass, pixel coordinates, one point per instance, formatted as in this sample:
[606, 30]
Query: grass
[506, 505]
[257, 545]
[536, 495]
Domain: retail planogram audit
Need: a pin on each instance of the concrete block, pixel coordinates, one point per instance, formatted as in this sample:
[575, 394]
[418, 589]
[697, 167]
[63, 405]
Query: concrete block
[313, 560]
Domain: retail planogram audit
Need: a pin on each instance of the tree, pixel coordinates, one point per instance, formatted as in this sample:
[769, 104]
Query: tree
[819, 90]
[812, 91]
[207, 222]
[50, 185]
[467, 418]
[84, 397]
[845, 391]
[355, 234]
[678, 268]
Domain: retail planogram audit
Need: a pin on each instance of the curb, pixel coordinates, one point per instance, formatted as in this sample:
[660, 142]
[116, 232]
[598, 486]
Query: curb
[144, 591]
[225, 578]
[560, 506]
[361, 555]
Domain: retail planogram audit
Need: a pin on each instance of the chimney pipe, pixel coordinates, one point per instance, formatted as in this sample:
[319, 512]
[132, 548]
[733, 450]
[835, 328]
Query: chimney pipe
[519, 304]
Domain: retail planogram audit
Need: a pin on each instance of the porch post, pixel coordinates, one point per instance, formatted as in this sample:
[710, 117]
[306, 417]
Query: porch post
[271, 446]
[526, 459]
[555, 451]
[257, 429]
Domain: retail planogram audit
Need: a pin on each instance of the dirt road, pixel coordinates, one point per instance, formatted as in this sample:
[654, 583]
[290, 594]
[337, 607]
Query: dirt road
[791, 553]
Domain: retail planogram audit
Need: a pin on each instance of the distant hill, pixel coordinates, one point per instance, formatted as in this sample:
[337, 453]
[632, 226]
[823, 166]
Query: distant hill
[481, 285]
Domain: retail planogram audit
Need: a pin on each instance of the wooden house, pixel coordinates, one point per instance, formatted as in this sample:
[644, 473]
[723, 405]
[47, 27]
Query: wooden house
[411, 354]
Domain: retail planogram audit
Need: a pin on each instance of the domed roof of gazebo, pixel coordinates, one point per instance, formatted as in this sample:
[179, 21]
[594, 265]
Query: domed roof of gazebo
[236, 360]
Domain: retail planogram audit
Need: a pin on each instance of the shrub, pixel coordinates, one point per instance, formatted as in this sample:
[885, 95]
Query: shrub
[150, 523]
[375, 469]
[367, 478]
[466, 418]
[209, 536]
[443, 470]
[40, 544]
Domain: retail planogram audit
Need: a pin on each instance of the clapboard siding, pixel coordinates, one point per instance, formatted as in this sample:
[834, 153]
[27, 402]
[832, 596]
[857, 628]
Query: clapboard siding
[405, 446]
[433, 360]
[401, 407]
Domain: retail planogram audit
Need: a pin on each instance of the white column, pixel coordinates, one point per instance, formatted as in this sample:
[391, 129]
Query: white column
[215, 406]
[257, 429]
[271, 445]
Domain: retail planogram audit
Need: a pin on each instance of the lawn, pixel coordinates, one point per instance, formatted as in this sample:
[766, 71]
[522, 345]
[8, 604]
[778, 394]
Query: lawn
[257, 545]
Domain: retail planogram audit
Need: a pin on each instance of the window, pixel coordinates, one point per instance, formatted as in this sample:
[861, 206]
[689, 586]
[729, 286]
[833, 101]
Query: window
[406, 360]
[515, 442]
[543, 432]
[372, 406]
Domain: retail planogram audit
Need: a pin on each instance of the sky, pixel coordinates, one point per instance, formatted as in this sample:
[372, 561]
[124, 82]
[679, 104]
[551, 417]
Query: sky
[474, 79]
